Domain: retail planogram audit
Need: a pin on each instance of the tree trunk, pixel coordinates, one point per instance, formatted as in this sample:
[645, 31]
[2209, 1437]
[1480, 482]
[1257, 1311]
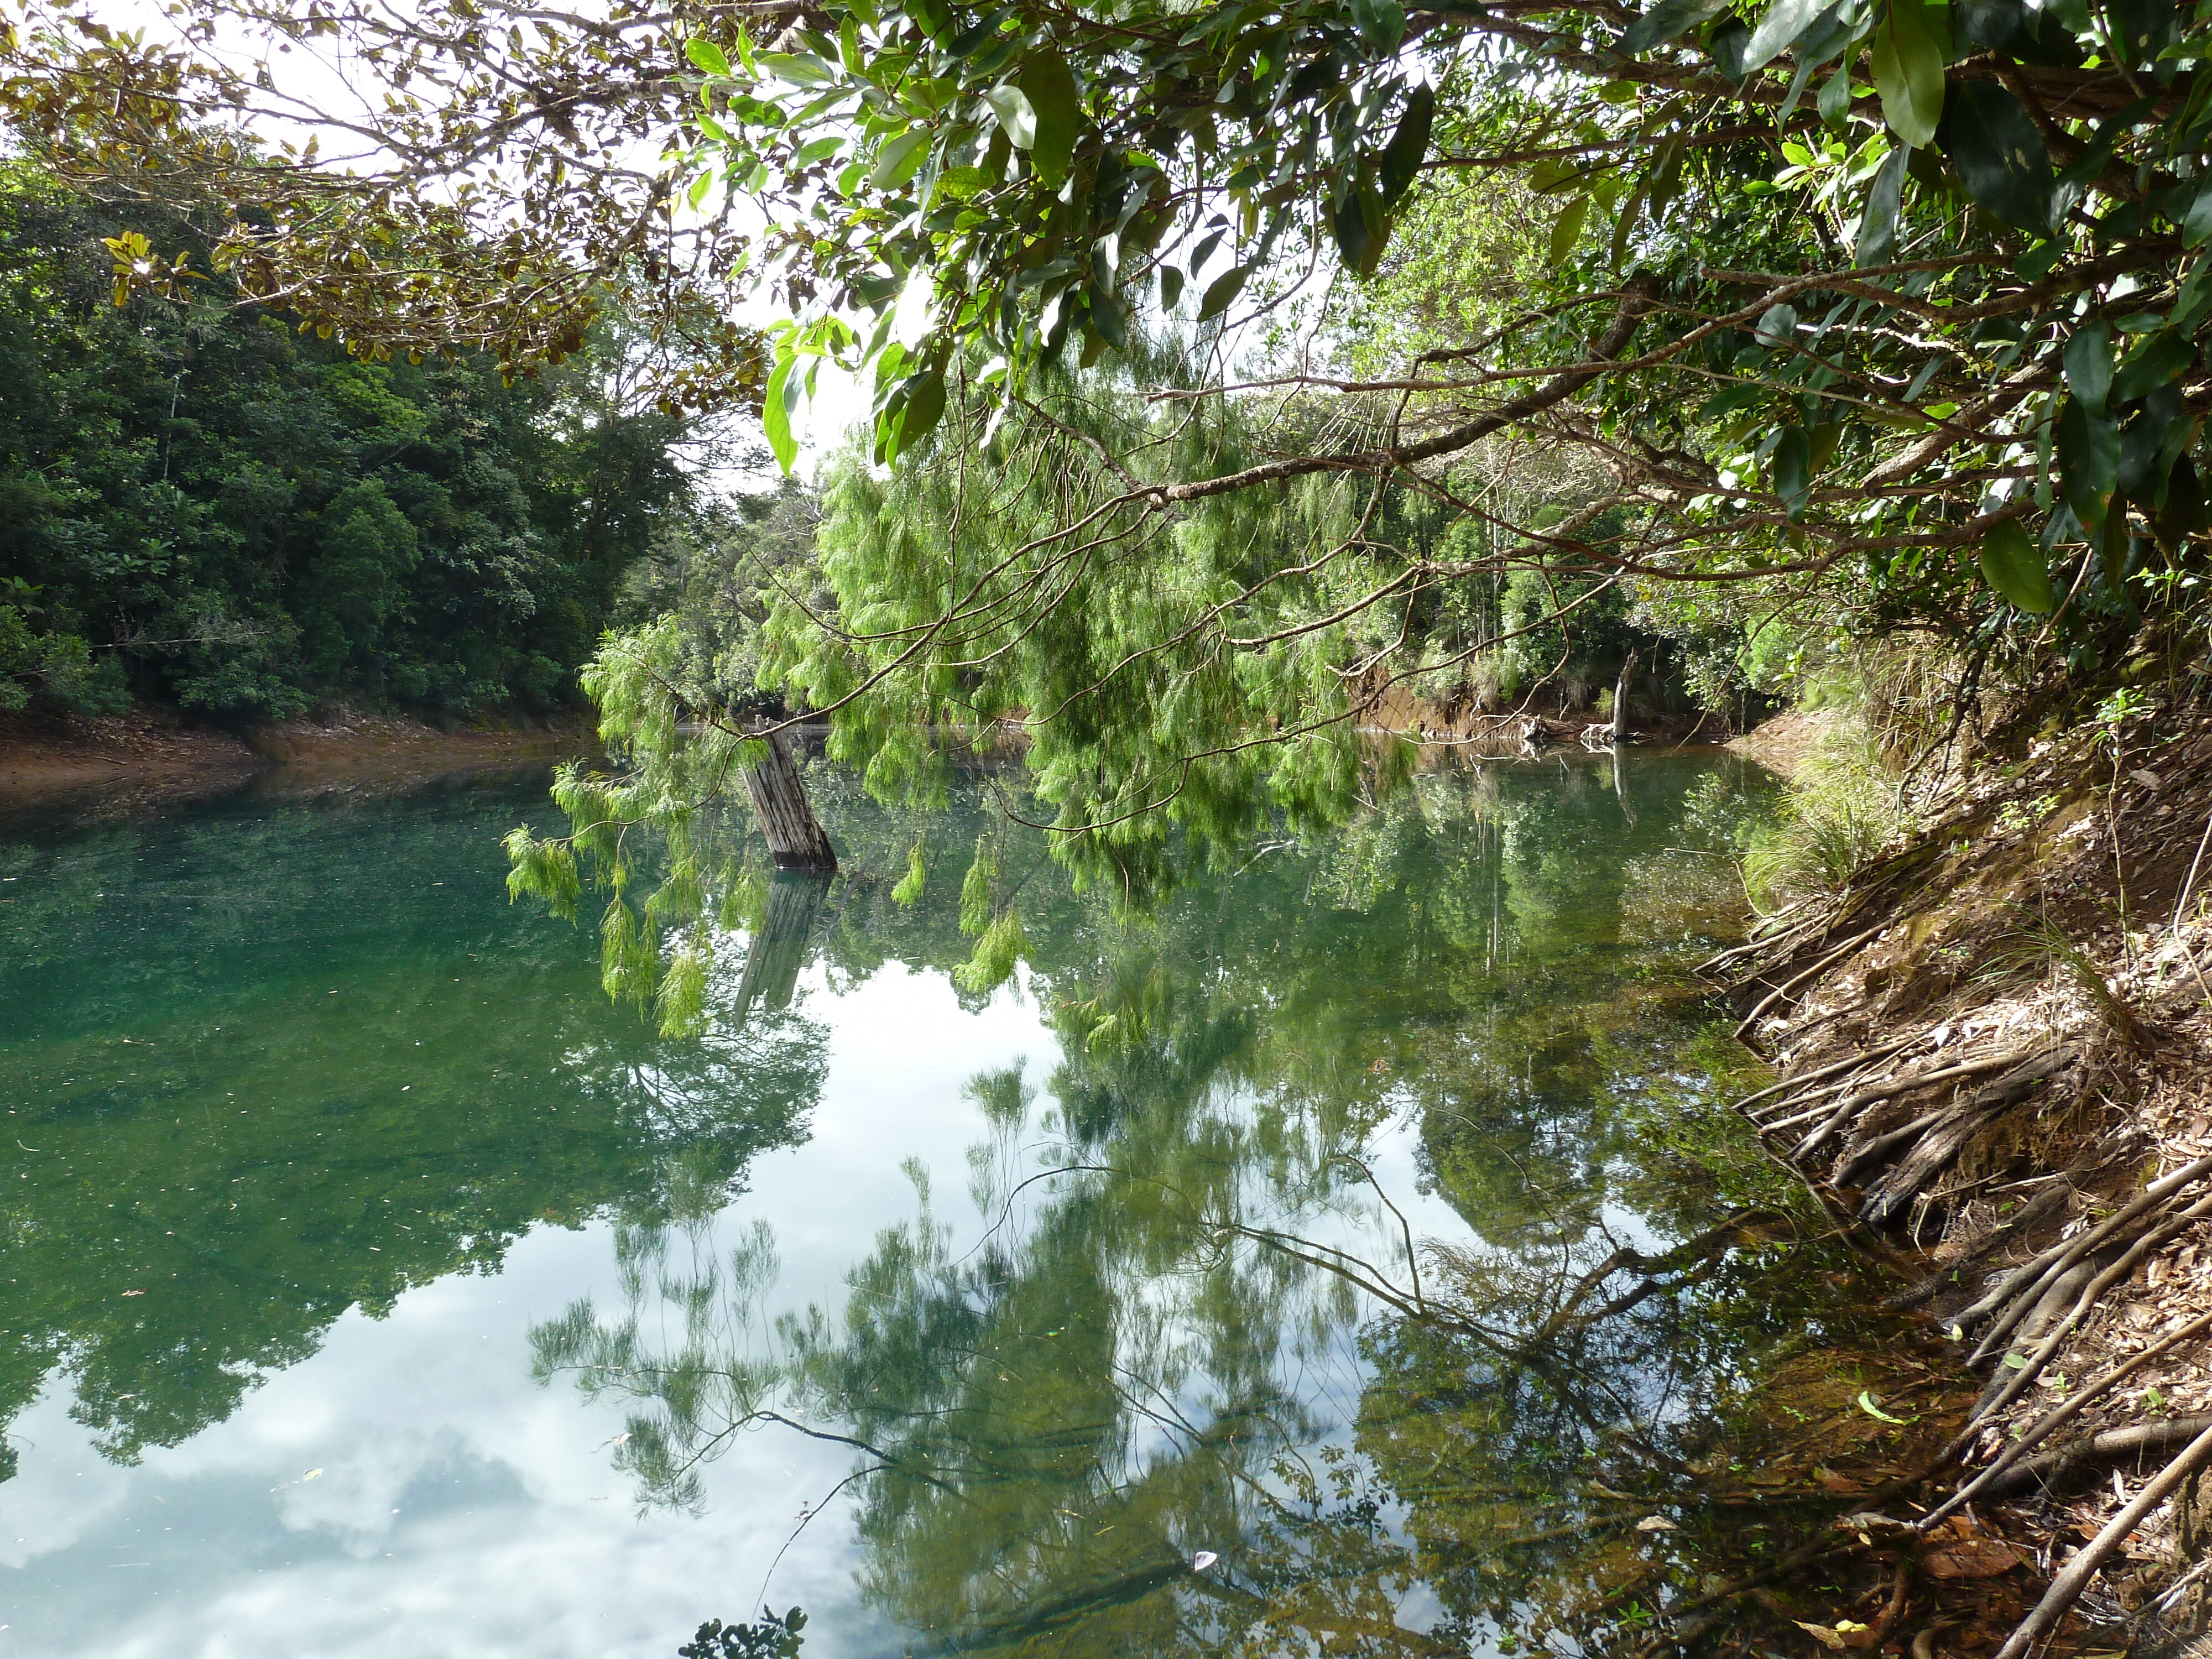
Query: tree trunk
[1620, 697]
[794, 839]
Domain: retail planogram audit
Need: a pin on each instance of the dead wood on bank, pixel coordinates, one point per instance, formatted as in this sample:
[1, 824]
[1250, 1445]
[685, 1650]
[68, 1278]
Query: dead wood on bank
[1996, 1049]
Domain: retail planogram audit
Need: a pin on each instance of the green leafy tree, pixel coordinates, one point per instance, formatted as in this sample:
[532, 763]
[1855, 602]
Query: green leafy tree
[201, 506]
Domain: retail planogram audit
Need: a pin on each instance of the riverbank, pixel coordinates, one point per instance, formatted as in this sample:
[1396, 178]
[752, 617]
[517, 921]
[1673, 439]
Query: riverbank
[1995, 1065]
[150, 757]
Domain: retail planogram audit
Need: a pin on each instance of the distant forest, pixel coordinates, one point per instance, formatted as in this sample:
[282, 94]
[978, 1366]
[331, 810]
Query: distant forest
[201, 506]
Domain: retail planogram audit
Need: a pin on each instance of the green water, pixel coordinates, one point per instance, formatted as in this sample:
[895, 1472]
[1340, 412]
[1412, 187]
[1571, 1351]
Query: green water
[373, 1286]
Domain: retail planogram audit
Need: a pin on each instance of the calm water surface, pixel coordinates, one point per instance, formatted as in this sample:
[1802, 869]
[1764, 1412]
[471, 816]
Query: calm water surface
[372, 1285]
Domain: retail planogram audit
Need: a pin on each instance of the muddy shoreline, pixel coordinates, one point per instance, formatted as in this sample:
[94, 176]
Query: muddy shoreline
[1994, 1060]
[68, 767]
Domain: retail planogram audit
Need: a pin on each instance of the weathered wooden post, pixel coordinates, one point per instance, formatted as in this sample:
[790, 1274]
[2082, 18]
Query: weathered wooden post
[1620, 698]
[796, 841]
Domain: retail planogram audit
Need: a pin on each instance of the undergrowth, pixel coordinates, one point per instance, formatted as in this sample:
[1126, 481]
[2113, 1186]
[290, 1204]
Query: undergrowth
[1846, 804]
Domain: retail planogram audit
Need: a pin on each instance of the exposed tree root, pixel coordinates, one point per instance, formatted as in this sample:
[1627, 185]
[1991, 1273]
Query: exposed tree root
[1938, 1057]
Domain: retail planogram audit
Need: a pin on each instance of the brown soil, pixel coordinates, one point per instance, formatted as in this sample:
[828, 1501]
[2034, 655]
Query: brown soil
[42, 755]
[2001, 1037]
[1782, 743]
[1462, 724]
[150, 758]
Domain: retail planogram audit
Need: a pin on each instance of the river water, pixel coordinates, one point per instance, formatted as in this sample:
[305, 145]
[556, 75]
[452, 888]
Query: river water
[371, 1285]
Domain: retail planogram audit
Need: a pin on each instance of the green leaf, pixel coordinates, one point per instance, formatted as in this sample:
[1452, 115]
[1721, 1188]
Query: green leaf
[1908, 71]
[2196, 223]
[1221, 293]
[775, 414]
[1777, 325]
[801, 68]
[2151, 364]
[972, 40]
[1170, 286]
[1877, 233]
[1664, 21]
[2182, 513]
[1349, 225]
[1792, 472]
[1108, 316]
[1784, 22]
[1834, 102]
[2089, 365]
[2113, 550]
[1017, 118]
[935, 16]
[2140, 443]
[1624, 225]
[1378, 227]
[2088, 461]
[1873, 1409]
[706, 56]
[1567, 229]
[2000, 157]
[1381, 23]
[2144, 28]
[1049, 85]
[925, 407]
[1664, 176]
[2014, 567]
[1400, 163]
[900, 159]
[1726, 43]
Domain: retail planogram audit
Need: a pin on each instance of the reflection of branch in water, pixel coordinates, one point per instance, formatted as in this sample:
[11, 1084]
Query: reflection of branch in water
[807, 1517]
[1058, 1611]
[1412, 1257]
[778, 950]
[1702, 1251]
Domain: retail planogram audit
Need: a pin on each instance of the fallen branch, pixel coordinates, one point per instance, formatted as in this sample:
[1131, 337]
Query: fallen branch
[2054, 1467]
[2063, 1255]
[1899, 1086]
[2067, 1588]
[1789, 985]
[2051, 1421]
[1944, 1141]
[1826, 1072]
[2104, 1281]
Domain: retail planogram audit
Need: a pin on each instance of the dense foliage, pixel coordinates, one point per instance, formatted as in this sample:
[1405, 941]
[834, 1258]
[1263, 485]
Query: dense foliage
[1242, 363]
[200, 505]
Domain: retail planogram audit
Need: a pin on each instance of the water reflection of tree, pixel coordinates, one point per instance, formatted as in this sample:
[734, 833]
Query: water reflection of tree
[207, 1199]
[1122, 1372]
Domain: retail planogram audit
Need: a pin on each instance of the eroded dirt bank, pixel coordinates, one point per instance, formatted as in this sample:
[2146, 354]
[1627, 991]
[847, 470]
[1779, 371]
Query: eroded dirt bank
[149, 757]
[1995, 1054]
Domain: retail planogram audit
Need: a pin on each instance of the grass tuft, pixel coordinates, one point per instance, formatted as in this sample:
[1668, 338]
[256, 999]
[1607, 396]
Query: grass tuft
[1845, 808]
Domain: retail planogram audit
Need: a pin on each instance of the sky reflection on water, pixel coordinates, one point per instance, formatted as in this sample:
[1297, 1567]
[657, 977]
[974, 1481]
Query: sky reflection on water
[313, 1132]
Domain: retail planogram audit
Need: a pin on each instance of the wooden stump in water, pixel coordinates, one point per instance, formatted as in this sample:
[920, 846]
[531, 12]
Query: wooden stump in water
[1620, 697]
[794, 839]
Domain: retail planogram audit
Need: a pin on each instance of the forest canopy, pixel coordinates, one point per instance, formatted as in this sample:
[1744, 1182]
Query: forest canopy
[1877, 307]
[201, 507]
